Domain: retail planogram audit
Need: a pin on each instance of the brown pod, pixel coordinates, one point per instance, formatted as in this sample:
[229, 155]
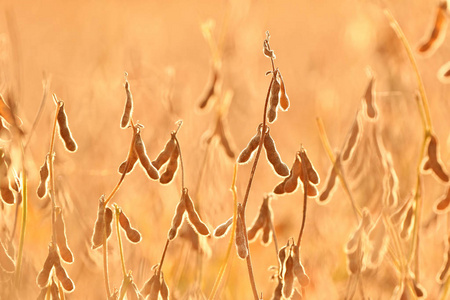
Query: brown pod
[352, 139]
[279, 188]
[64, 131]
[288, 277]
[292, 181]
[277, 294]
[43, 172]
[128, 110]
[433, 161]
[266, 236]
[369, 100]
[177, 218]
[146, 289]
[193, 216]
[166, 153]
[54, 290]
[267, 52]
[155, 289]
[132, 160]
[299, 270]
[330, 185]
[44, 274]
[443, 272]
[5, 191]
[99, 227]
[139, 146]
[165, 294]
[282, 254]
[313, 177]
[438, 32]
[255, 227]
[274, 157]
[6, 262]
[223, 228]
[65, 280]
[172, 167]
[419, 290]
[241, 246]
[61, 238]
[247, 153]
[224, 139]
[210, 89]
[284, 99]
[443, 204]
[274, 100]
[132, 234]
[108, 221]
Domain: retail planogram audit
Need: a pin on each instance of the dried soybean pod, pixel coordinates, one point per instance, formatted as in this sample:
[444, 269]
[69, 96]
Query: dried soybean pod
[61, 238]
[274, 100]
[255, 227]
[97, 237]
[166, 153]
[437, 35]
[6, 262]
[443, 204]
[241, 246]
[223, 228]
[65, 280]
[292, 181]
[139, 146]
[172, 167]
[164, 288]
[43, 172]
[282, 257]
[64, 131]
[274, 157]
[177, 218]
[369, 100]
[266, 236]
[145, 291]
[224, 139]
[419, 290]
[247, 153]
[299, 270]
[132, 160]
[279, 188]
[313, 177]
[443, 272]
[434, 163]
[155, 289]
[132, 234]
[193, 216]
[108, 221]
[288, 277]
[277, 294]
[54, 290]
[128, 110]
[284, 99]
[266, 50]
[5, 191]
[44, 274]
[352, 139]
[210, 89]
[330, 185]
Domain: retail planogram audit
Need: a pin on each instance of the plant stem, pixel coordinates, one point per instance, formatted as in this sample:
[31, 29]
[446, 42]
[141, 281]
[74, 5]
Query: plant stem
[105, 261]
[181, 163]
[305, 194]
[230, 243]
[119, 239]
[24, 223]
[163, 256]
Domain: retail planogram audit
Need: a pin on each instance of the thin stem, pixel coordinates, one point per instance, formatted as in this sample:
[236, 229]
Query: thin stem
[274, 237]
[181, 161]
[230, 243]
[339, 170]
[305, 198]
[105, 260]
[119, 239]
[24, 223]
[163, 256]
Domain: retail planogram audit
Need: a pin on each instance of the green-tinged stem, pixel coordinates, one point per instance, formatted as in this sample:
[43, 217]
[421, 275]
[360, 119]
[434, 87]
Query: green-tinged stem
[340, 172]
[23, 227]
[119, 239]
[445, 289]
[105, 263]
[230, 243]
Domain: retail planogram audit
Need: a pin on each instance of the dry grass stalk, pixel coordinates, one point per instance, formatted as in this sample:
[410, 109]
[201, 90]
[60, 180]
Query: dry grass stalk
[64, 131]
[44, 178]
[442, 206]
[353, 138]
[133, 235]
[247, 153]
[435, 39]
[274, 157]
[432, 161]
[139, 147]
[7, 263]
[128, 109]
[61, 238]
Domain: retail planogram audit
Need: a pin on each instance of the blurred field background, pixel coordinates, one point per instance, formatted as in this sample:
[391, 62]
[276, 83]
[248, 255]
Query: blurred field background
[323, 49]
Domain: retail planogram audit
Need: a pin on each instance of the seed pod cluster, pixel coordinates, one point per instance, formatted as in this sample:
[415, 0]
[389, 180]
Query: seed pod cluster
[262, 223]
[166, 153]
[241, 245]
[61, 238]
[274, 157]
[132, 234]
[44, 178]
[274, 99]
[442, 206]
[432, 161]
[102, 224]
[437, 35]
[44, 274]
[141, 152]
[7, 264]
[353, 137]
[154, 287]
[369, 100]
[128, 110]
[247, 153]
[223, 228]
[64, 130]
[171, 168]
[330, 185]
[5, 191]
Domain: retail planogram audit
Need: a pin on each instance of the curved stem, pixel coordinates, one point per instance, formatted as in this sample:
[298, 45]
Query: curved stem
[119, 239]
[305, 198]
[181, 162]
